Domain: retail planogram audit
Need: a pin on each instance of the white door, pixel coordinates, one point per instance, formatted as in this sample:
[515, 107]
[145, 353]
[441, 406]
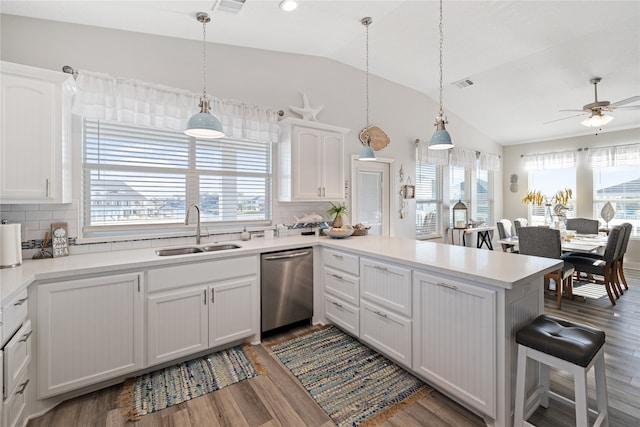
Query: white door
[370, 195]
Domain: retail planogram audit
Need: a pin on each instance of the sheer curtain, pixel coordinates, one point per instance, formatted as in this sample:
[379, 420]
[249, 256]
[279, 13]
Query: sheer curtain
[103, 97]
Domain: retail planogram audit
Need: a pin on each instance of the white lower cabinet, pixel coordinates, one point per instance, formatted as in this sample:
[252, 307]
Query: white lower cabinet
[193, 307]
[455, 339]
[386, 331]
[176, 324]
[341, 286]
[386, 285]
[89, 330]
[342, 314]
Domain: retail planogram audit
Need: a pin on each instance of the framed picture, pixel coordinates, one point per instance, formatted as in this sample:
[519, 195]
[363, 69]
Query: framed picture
[59, 239]
[408, 191]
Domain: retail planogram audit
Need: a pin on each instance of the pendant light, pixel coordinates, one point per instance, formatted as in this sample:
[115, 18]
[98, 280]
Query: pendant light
[204, 124]
[441, 140]
[367, 153]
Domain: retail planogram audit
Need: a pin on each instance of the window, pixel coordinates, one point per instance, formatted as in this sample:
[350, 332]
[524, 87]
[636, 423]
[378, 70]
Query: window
[619, 185]
[549, 182]
[457, 191]
[144, 178]
[428, 200]
[483, 206]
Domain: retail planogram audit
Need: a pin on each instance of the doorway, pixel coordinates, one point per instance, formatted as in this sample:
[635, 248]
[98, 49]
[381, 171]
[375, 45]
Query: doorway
[370, 195]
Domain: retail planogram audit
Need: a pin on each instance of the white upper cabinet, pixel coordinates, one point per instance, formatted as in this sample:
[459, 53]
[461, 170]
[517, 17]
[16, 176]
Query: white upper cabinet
[311, 161]
[35, 135]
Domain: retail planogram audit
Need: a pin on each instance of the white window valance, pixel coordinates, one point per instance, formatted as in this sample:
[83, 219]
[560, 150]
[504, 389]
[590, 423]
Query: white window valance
[621, 155]
[103, 97]
[564, 159]
[463, 157]
[490, 162]
[431, 157]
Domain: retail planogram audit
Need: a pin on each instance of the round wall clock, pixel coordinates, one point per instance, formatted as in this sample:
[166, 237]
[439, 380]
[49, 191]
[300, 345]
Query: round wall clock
[379, 138]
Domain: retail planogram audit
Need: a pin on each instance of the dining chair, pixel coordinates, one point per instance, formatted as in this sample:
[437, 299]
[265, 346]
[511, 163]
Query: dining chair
[546, 242]
[605, 266]
[518, 223]
[583, 225]
[504, 232]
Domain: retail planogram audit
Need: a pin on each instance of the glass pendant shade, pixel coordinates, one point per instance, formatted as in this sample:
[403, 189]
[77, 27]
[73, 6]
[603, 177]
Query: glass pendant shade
[367, 153]
[596, 120]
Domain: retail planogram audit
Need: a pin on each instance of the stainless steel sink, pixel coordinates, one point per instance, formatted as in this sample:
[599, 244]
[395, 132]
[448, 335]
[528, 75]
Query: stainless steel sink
[195, 249]
[222, 247]
[178, 251]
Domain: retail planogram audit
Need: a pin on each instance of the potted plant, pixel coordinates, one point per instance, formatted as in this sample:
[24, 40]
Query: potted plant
[337, 209]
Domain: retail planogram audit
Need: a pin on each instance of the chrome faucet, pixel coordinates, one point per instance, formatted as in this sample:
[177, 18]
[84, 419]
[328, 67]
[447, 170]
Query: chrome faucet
[186, 221]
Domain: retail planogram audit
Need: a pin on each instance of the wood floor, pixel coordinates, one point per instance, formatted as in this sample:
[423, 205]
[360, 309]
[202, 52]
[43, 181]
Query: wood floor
[277, 399]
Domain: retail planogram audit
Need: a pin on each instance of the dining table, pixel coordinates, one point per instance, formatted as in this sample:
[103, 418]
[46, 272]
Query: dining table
[580, 243]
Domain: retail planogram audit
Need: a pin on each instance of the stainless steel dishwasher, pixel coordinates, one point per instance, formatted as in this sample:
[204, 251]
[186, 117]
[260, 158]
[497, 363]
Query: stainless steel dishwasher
[287, 287]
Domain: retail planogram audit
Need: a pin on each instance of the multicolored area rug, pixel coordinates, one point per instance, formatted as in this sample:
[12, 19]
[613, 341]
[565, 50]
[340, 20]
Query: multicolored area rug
[353, 384]
[169, 386]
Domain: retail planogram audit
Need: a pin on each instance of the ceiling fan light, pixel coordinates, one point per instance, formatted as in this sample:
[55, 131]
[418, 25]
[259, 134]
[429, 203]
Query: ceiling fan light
[596, 120]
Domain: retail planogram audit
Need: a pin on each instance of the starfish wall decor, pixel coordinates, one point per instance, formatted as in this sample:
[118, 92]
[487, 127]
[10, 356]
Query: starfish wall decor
[307, 112]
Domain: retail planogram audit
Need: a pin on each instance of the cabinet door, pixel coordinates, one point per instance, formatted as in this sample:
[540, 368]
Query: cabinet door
[306, 165]
[34, 135]
[176, 324]
[89, 330]
[455, 339]
[332, 157]
[232, 310]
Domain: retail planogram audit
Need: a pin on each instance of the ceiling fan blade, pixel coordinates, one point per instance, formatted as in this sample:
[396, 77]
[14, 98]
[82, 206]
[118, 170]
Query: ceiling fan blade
[562, 111]
[629, 107]
[564, 118]
[625, 101]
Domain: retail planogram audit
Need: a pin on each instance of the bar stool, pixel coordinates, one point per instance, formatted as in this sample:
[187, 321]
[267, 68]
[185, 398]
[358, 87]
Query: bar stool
[572, 347]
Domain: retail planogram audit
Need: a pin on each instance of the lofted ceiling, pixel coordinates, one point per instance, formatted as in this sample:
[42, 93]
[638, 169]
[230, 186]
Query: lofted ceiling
[527, 59]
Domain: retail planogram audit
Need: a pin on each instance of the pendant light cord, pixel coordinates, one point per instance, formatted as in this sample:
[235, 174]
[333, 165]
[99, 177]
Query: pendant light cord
[441, 44]
[204, 57]
[366, 22]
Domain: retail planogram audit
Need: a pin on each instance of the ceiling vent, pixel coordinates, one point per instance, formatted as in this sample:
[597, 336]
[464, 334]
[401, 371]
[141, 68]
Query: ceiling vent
[229, 6]
[462, 83]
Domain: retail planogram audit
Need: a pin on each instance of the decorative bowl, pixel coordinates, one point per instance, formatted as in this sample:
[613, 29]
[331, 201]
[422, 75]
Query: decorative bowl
[339, 233]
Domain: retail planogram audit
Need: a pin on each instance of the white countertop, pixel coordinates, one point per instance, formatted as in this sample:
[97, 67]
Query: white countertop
[489, 267]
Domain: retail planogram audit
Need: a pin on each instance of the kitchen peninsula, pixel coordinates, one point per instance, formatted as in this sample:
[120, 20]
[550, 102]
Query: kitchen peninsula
[446, 313]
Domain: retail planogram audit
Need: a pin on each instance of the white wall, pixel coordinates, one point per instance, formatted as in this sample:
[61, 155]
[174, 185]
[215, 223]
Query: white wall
[252, 76]
[513, 208]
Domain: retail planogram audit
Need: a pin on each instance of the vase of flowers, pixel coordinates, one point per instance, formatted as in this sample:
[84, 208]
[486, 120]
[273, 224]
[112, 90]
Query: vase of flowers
[561, 198]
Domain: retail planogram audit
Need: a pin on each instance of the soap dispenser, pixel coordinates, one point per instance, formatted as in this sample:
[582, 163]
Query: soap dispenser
[245, 235]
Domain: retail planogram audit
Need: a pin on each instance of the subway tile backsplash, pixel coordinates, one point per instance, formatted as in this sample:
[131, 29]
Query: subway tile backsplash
[36, 219]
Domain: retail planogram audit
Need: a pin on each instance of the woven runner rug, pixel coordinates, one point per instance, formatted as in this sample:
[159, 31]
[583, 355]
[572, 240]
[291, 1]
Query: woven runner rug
[178, 383]
[353, 384]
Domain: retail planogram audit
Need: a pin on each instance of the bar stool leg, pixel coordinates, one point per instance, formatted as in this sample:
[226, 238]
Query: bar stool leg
[601, 389]
[580, 390]
[545, 383]
[518, 418]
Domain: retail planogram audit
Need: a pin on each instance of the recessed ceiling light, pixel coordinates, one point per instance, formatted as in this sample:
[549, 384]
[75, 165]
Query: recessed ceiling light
[288, 5]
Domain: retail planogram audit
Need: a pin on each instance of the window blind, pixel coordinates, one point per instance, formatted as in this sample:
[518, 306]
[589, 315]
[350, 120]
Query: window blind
[428, 199]
[141, 177]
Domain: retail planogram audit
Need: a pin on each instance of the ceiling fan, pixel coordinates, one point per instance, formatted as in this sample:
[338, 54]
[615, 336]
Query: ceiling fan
[597, 109]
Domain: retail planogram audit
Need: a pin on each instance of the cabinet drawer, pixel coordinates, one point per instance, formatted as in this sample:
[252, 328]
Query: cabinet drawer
[17, 355]
[15, 312]
[387, 332]
[386, 285]
[14, 403]
[200, 273]
[342, 314]
[342, 285]
[342, 261]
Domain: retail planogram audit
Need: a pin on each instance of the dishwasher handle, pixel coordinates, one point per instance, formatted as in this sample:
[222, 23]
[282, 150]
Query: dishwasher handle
[287, 256]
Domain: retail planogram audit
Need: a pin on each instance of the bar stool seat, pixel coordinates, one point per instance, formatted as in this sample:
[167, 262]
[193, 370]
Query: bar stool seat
[576, 348]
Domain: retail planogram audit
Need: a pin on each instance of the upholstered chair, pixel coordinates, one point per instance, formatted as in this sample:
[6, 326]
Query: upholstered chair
[519, 222]
[583, 225]
[504, 231]
[545, 242]
[605, 266]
